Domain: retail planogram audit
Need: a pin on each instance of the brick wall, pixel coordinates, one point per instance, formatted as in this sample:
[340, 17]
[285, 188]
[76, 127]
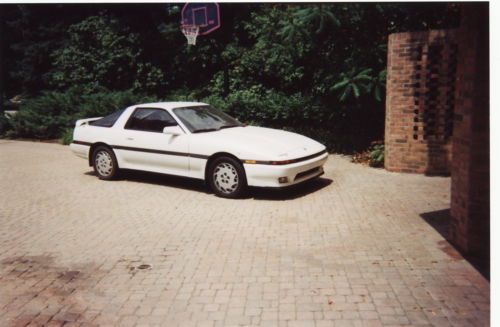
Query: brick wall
[420, 99]
[437, 118]
[470, 208]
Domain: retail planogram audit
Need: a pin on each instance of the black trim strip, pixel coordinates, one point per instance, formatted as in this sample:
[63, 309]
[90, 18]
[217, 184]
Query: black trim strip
[284, 162]
[82, 143]
[170, 153]
[201, 156]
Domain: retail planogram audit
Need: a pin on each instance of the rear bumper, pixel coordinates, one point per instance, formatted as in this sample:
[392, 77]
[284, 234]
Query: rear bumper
[268, 175]
[80, 150]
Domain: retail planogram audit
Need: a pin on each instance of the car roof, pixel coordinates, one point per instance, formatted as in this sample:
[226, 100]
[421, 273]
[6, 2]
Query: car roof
[170, 105]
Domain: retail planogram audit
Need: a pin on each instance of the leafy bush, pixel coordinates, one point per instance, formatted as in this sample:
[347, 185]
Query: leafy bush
[101, 52]
[4, 123]
[315, 68]
[67, 136]
[49, 115]
[295, 113]
[373, 156]
[105, 102]
[377, 154]
[45, 116]
[255, 104]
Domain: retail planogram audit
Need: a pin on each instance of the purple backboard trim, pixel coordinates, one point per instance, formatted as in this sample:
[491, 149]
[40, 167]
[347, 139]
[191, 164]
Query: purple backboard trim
[210, 24]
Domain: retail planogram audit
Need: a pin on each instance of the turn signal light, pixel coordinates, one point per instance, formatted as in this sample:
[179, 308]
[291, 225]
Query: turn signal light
[250, 161]
[283, 180]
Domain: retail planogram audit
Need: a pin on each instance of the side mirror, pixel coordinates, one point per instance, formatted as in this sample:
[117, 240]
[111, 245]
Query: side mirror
[172, 130]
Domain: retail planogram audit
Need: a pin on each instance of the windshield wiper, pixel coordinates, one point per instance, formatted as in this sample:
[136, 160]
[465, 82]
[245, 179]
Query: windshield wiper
[205, 130]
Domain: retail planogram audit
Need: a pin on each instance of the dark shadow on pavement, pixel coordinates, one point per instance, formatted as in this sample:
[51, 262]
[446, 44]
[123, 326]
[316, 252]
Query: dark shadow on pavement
[192, 184]
[185, 183]
[291, 192]
[440, 220]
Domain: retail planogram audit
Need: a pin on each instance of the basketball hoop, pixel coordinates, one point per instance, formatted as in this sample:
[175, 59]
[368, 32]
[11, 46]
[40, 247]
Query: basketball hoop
[191, 33]
[199, 19]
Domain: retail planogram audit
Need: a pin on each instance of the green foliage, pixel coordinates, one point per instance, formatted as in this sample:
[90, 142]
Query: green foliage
[44, 116]
[315, 68]
[377, 155]
[4, 124]
[352, 83]
[101, 52]
[49, 115]
[67, 136]
[256, 104]
[319, 15]
[361, 83]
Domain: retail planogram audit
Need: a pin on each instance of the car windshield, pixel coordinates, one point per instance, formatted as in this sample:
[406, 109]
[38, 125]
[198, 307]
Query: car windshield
[205, 119]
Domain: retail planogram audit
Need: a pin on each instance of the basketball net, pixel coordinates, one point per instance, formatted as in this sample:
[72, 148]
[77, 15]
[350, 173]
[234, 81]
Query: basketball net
[191, 33]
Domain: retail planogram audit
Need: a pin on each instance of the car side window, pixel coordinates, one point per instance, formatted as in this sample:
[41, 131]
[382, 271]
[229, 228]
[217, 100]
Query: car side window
[107, 121]
[150, 120]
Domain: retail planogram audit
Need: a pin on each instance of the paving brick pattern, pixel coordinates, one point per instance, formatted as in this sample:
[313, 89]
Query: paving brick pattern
[350, 249]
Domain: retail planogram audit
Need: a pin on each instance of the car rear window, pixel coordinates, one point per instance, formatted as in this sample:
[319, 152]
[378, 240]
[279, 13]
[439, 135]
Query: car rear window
[107, 121]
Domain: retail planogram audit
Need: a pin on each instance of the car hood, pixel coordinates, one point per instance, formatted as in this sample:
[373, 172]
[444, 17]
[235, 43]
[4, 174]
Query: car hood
[261, 143]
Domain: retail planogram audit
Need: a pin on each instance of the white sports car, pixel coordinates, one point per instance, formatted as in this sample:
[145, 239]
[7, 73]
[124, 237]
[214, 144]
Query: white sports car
[196, 140]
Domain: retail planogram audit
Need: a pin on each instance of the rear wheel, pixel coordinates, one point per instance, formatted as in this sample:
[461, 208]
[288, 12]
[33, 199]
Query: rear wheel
[104, 162]
[227, 177]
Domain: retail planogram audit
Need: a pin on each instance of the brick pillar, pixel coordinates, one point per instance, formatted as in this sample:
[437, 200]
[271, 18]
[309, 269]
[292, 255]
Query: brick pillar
[421, 69]
[470, 207]
[2, 87]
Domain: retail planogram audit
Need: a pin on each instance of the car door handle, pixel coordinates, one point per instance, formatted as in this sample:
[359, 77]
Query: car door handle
[130, 138]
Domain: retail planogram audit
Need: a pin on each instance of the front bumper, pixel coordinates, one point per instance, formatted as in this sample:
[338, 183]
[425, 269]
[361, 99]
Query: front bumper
[268, 175]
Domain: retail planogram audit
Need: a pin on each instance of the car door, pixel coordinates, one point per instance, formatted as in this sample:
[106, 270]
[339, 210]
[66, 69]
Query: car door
[146, 147]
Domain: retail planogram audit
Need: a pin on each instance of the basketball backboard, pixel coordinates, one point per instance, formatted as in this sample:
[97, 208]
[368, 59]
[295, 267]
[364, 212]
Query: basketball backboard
[204, 15]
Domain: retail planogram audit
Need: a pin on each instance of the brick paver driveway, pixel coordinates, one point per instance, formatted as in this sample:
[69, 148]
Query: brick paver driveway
[351, 249]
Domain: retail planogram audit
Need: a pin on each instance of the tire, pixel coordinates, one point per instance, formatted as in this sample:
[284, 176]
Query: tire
[104, 163]
[227, 178]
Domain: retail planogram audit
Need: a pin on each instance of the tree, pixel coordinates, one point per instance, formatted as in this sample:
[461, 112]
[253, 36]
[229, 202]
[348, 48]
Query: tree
[319, 68]
[100, 52]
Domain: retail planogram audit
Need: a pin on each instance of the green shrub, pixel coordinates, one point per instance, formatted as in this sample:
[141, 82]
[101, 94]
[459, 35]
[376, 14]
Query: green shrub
[49, 115]
[5, 124]
[46, 116]
[106, 102]
[377, 154]
[267, 106]
[295, 113]
[101, 51]
[52, 114]
[67, 136]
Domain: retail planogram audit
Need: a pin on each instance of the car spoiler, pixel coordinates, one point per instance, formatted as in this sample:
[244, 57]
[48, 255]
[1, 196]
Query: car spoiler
[81, 122]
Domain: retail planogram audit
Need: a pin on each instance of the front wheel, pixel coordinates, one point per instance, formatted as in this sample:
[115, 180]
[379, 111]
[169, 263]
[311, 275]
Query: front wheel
[104, 162]
[227, 178]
